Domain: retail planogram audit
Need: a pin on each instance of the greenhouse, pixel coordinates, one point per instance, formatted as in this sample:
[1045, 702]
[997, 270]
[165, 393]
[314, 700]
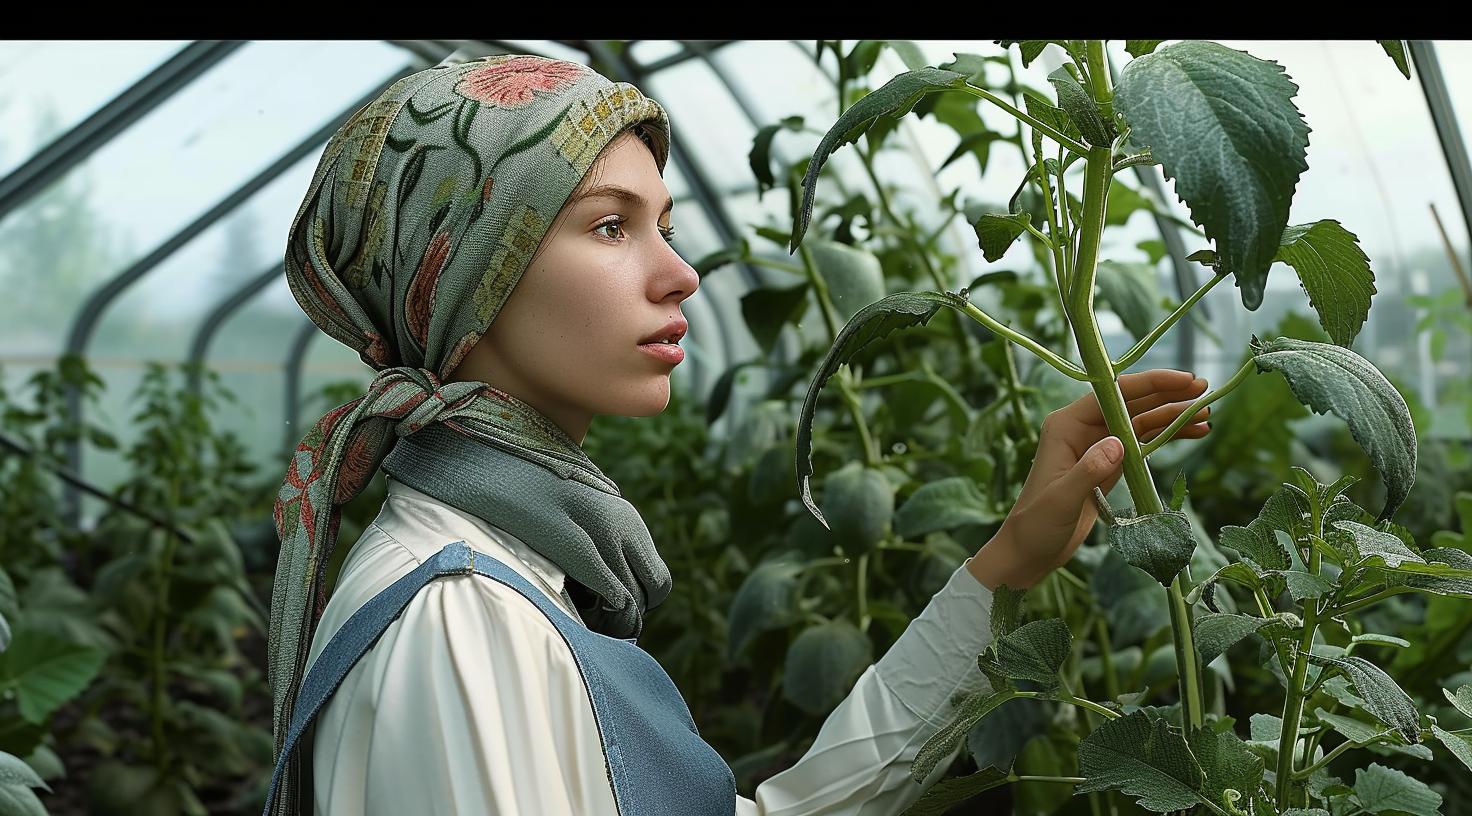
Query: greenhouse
[1011, 426]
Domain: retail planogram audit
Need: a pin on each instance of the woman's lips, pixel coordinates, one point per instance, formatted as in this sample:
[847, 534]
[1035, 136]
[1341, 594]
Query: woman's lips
[665, 352]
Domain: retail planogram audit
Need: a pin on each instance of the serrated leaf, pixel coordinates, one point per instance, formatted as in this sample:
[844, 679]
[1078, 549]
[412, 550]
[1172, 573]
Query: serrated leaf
[1396, 50]
[1143, 759]
[1371, 543]
[944, 504]
[1223, 124]
[900, 310]
[1035, 652]
[1334, 272]
[1257, 543]
[1216, 632]
[1379, 789]
[1352, 729]
[995, 232]
[1158, 543]
[893, 99]
[1329, 378]
[1082, 109]
[1030, 49]
[1383, 697]
[1304, 585]
[47, 671]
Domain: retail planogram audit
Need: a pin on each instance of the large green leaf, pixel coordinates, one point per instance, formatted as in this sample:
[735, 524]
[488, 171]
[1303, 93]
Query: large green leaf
[861, 501]
[1258, 542]
[16, 780]
[1383, 697]
[1335, 273]
[900, 310]
[1035, 652]
[1379, 789]
[1158, 543]
[46, 671]
[943, 505]
[1326, 378]
[894, 99]
[1223, 124]
[822, 664]
[1459, 745]
[1144, 759]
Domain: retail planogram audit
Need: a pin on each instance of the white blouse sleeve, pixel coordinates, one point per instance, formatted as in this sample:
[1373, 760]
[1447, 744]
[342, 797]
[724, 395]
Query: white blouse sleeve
[472, 703]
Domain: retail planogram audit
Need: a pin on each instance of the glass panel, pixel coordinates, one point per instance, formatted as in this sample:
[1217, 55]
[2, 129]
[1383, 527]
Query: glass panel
[647, 51]
[152, 180]
[50, 87]
[709, 125]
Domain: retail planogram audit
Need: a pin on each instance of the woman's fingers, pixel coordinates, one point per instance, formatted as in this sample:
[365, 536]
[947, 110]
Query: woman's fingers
[1150, 424]
[1142, 391]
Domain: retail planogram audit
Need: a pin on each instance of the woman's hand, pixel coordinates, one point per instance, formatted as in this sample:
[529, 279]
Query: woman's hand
[1054, 512]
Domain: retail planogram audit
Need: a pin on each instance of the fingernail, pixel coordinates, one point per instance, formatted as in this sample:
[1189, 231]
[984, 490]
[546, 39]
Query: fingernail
[1113, 450]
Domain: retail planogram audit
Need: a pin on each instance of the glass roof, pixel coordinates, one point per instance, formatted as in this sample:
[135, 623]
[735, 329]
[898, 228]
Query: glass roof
[162, 236]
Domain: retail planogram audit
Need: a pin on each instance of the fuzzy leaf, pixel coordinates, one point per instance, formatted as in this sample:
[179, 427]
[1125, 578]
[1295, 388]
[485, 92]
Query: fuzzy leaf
[1334, 272]
[1223, 124]
[945, 741]
[1158, 543]
[1460, 746]
[1383, 697]
[1379, 789]
[1143, 759]
[1035, 651]
[893, 99]
[1082, 109]
[1330, 378]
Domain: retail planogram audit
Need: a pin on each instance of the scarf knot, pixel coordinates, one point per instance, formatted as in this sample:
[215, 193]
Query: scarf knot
[417, 398]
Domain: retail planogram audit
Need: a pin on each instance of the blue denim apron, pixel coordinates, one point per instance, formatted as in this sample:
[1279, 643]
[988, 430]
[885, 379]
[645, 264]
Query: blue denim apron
[657, 762]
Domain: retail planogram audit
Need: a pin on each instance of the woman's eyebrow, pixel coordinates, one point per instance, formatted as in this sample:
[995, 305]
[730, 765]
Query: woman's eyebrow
[623, 194]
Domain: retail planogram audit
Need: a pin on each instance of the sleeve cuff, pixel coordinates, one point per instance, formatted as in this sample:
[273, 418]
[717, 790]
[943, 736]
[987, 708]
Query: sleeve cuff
[933, 663]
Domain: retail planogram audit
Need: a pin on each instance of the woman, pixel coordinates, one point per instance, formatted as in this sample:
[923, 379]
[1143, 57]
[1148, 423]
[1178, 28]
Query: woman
[478, 653]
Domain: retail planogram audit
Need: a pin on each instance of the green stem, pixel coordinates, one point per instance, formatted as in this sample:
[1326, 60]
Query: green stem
[1071, 700]
[1361, 603]
[1293, 702]
[1063, 366]
[1106, 659]
[1046, 130]
[1097, 176]
[1201, 402]
[159, 668]
[1072, 780]
[1014, 394]
[844, 378]
[1138, 350]
[863, 592]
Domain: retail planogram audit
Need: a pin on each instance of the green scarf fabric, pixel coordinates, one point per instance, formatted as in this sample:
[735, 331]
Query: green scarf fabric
[422, 215]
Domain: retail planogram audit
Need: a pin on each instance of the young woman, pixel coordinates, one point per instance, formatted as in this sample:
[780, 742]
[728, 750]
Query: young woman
[492, 237]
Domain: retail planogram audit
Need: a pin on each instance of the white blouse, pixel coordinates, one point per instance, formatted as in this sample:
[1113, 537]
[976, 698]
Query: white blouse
[472, 703]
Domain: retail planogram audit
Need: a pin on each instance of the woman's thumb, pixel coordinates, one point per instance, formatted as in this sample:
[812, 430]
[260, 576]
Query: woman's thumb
[1091, 470]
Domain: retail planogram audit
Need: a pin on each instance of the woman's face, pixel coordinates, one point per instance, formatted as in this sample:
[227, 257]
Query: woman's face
[567, 339]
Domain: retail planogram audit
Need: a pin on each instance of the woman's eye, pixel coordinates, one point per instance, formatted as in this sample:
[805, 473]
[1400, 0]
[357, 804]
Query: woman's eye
[615, 224]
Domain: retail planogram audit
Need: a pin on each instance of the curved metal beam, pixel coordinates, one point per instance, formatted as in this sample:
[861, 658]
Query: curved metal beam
[210, 325]
[73, 147]
[1444, 117]
[293, 364]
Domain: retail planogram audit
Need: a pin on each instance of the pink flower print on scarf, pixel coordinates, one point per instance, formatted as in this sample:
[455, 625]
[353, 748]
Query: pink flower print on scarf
[419, 301]
[513, 83]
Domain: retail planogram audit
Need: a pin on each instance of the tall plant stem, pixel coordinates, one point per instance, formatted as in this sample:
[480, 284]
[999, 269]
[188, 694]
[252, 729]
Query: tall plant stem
[844, 377]
[1105, 383]
[1293, 700]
